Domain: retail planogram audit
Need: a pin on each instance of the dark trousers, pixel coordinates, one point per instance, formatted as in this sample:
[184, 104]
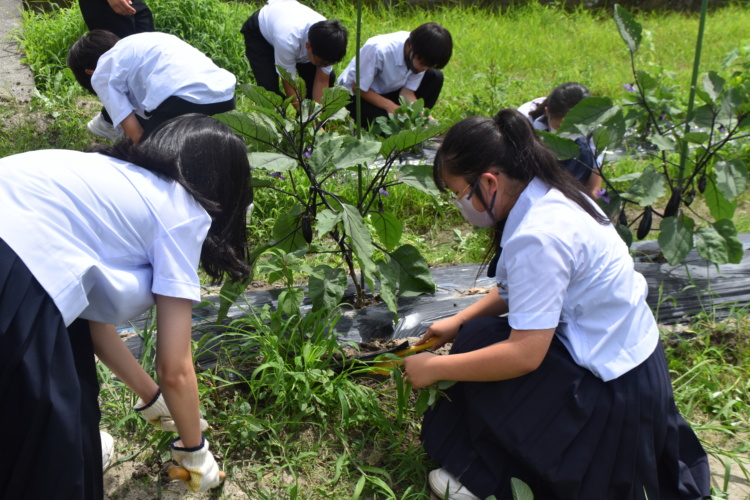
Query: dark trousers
[48, 394]
[173, 107]
[428, 90]
[98, 15]
[262, 60]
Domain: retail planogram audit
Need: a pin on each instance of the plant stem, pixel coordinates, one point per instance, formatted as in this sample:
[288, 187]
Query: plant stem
[693, 83]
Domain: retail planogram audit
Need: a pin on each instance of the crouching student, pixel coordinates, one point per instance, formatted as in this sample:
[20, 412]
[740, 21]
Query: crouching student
[89, 240]
[288, 34]
[571, 391]
[146, 79]
[547, 113]
[399, 64]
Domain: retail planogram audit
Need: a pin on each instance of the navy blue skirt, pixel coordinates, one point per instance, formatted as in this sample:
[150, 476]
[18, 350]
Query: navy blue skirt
[565, 432]
[48, 394]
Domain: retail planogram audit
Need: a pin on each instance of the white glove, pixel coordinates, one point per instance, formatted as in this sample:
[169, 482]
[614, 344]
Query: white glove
[204, 473]
[157, 413]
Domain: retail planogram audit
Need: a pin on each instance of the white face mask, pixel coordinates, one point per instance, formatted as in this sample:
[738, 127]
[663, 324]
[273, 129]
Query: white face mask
[471, 214]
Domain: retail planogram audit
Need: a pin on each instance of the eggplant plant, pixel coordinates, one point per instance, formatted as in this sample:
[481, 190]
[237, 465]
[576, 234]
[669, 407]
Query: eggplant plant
[694, 150]
[294, 141]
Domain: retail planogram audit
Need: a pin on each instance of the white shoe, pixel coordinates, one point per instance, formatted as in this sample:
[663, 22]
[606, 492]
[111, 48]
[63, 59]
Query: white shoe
[447, 487]
[101, 127]
[108, 448]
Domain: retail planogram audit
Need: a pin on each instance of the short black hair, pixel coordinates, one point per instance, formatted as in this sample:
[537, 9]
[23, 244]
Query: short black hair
[85, 53]
[433, 44]
[328, 40]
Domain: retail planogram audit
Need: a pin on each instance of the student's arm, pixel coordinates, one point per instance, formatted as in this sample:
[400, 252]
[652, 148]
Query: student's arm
[522, 353]
[594, 184]
[117, 357]
[446, 329]
[407, 94]
[132, 128]
[174, 366]
[378, 100]
[321, 82]
[122, 7]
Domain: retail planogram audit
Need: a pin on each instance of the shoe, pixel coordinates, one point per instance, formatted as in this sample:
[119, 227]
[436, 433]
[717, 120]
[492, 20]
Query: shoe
[108, 448]
[101, 127]
[447, 487]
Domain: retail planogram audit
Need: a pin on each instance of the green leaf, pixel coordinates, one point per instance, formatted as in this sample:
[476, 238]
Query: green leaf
[419, 177]
[719, 206]
[230, 290]
[663, 142]
[274, 162]
[326, 221]
[726, 229]
[611, 132]
[648, 188]
[521, 490]
[355, 151]
[731, 178]
[629, 28]
[388, 228]
[611, 208]
[260, 96]
[676, 238]
[587, 115]
[563, 147]
[414, 276]
[711, 245]
[326, 287]
[713, 85]
[290, 300]
[703, 117]
[297, 83]
[334, 99]
[408, 138]
[321, 159]
[696, 137]
[255, 126]
[626, 234]
[731, 101]
[387, 274]
[356, 231]
[287, 228]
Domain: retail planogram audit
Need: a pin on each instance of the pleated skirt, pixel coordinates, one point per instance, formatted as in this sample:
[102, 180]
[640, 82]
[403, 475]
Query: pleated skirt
[48, 393]
[565, 432]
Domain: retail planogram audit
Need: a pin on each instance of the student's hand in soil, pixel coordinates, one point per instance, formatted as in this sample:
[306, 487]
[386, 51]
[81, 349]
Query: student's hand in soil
[200, 463]
[421, 369]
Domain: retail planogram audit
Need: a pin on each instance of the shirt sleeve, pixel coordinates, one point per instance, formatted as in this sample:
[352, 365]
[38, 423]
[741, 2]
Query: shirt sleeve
[285, 56]
[536, 272]
[175, 256]
[110, 82]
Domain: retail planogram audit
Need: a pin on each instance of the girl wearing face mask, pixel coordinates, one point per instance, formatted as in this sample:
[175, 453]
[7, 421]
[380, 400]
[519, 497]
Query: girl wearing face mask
[569, 392]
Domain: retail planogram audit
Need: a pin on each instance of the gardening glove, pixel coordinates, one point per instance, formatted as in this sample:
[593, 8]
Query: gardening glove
[200, 463]
[157, 413]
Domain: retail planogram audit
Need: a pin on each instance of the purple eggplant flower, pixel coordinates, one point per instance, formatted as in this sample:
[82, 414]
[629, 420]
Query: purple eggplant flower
[722, 129]
[602, 193]
[629, 87]
[277, 175]
[307, 153]
[384, 192]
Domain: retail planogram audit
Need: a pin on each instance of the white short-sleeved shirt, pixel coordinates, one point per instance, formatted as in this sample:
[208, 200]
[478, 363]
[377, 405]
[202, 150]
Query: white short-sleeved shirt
[561, 267]
[382, 67]
[102, 236]
[539, 123]
[141, 71]
[285, 25]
